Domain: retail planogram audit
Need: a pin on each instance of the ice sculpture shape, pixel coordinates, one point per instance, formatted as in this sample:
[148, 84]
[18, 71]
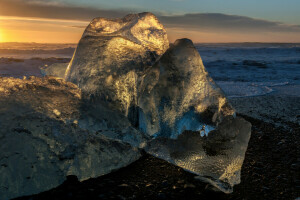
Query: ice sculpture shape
[178, 94]
[111, 56]
[43, 138]
[178, 102]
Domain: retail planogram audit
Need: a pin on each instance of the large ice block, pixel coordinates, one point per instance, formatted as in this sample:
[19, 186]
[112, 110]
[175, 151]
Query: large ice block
[44, 138]
[178, 94]
[113, 54]
[216, 158]
[190, 119]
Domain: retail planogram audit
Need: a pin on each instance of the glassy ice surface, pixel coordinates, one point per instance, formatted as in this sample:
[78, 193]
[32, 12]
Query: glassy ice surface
[192, 124]
[113, 54]
[177, 94]
[190, 121]
[46, 134]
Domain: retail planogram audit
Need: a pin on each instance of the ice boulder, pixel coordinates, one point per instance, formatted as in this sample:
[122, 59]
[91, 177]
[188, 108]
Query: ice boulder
[46, 134]
[56, 70]
[216, 158]
[113, 54]
[178, 94]
[190, 119]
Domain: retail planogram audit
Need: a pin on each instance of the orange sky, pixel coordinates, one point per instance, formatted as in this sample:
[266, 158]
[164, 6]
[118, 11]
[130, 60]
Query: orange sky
[63, 21]
[16, 29]
[24, 29]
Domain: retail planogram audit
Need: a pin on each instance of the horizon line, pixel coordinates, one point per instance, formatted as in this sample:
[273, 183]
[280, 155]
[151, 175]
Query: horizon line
[170, 42]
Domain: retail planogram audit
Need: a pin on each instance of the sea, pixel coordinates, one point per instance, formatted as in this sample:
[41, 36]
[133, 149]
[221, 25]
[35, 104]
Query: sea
[240, 69]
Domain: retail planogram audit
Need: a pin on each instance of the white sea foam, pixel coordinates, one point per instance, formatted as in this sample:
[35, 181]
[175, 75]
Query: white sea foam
[248, 89]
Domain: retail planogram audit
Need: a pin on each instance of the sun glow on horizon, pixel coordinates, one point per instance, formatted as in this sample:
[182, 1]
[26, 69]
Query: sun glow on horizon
[1, 36]
[48, 30]
[22, 29]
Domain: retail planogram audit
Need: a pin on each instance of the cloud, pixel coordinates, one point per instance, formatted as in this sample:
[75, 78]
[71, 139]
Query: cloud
[231, 23]
[199, 21]
[177, 0]
[48, 9]
[82, 27]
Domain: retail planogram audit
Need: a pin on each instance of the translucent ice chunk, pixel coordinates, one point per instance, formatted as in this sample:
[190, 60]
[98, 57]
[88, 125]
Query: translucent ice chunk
[178, 94]
[44, 138]
[113, 54]
[192, 123]
[217, 158]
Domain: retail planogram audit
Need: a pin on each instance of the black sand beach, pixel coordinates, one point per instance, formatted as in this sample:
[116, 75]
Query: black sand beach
[270, 171]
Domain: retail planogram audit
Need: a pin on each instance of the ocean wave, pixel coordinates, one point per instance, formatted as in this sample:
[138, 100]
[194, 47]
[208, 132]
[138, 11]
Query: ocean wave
[67, 51]
[255, 63]
[32, 46]
[248, 45]
[234, 89]
[10, 60]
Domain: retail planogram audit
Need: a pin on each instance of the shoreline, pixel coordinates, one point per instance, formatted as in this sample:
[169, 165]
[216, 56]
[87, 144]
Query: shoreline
[276, 108]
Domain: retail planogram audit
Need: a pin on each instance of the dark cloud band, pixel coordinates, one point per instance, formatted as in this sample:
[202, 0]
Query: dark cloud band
[27, 8]
[200, 21]
[217, 21]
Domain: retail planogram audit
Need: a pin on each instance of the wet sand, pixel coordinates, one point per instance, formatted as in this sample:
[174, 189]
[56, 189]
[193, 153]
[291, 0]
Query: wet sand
[279, 108]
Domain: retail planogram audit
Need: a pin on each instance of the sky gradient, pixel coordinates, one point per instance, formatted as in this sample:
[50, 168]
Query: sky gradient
[63, 21]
